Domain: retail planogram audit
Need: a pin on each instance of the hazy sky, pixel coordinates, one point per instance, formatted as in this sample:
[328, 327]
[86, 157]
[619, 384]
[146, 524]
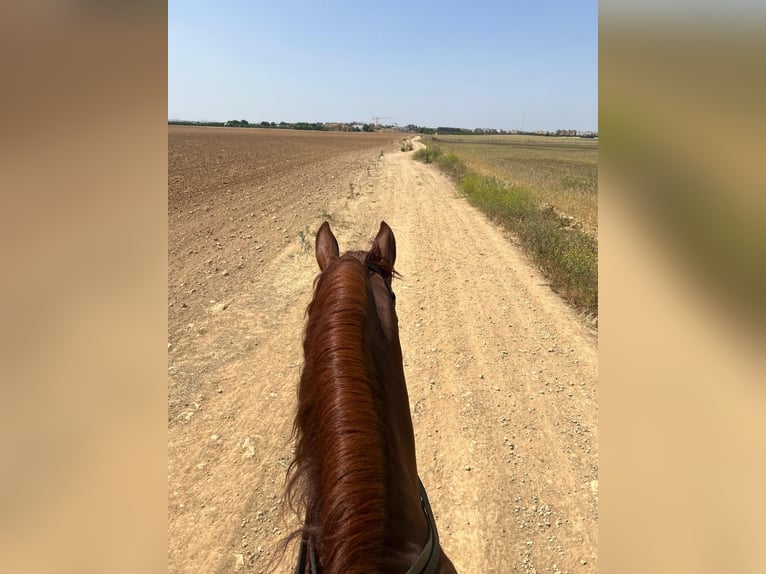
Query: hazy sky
[430, 63]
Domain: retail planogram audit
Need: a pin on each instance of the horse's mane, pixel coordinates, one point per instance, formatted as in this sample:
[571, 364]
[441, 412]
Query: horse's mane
[338, 473]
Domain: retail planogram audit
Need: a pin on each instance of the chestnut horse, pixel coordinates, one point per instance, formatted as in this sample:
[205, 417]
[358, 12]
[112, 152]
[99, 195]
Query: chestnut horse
[354, 471]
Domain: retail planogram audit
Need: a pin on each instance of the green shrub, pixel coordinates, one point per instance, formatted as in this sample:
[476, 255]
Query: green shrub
[568, 257]
[419, 154]
[508, 205]
[428, 154]
[453, 165]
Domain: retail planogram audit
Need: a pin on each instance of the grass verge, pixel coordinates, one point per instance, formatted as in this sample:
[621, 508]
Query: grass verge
[562, 172]
[567, 256]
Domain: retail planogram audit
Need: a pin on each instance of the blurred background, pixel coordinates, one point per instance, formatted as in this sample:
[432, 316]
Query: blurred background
[682, 194]
[83, 222]
[83, 176]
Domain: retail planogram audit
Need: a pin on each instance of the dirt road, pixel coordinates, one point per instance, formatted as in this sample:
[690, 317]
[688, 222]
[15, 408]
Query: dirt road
[502, 375]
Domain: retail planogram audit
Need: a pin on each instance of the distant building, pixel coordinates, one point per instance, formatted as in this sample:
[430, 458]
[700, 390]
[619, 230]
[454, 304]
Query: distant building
[339, 127]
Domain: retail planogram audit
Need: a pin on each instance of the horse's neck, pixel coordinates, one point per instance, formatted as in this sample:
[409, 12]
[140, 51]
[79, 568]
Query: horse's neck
[407, 530]
[393, 389]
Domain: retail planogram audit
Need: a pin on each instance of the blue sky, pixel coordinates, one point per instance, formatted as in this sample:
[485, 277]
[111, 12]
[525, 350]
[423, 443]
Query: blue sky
[461, 64]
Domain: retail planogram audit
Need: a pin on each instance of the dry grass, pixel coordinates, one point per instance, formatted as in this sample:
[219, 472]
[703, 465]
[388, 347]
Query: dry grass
[561, 172]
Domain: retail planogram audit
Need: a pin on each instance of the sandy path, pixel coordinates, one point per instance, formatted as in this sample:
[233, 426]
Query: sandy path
[502, 378]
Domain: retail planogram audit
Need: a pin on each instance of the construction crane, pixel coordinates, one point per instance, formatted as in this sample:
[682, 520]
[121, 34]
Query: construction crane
[378, 118]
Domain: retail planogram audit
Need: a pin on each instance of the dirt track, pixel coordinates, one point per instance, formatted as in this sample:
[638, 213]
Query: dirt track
[502, 375]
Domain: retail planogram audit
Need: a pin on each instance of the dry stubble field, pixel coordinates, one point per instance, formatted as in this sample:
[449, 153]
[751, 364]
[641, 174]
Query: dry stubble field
[502, 375]
[561, 172]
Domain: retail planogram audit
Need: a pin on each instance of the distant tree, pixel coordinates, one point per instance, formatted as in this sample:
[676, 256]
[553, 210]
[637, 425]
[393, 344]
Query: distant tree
[454, 131]
[308, 126]
[368, 128]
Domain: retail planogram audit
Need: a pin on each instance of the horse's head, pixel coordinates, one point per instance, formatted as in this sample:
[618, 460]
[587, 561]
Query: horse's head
[379, 263]
[355, 469]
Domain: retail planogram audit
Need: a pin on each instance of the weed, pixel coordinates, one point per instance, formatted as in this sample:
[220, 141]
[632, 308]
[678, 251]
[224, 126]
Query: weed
[303, 235]
[453, 165]
[567, 256]
[428, 154]
[509, 205]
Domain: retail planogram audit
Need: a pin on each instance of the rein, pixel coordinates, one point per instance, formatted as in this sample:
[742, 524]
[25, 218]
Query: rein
[426, 563]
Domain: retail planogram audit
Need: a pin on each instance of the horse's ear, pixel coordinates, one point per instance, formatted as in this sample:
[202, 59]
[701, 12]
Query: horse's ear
[326, 246]
[384, 245]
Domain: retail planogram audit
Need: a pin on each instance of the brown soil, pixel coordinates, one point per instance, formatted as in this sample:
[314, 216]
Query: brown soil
[502, 375]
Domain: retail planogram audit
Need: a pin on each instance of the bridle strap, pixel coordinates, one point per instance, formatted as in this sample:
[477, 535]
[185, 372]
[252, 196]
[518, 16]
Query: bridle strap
[305, 549]
[313, 559]
[427, 561]
[386, 277]
[300, 568]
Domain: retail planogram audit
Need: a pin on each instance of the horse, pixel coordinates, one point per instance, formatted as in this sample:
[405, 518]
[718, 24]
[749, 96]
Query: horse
[354, 471]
